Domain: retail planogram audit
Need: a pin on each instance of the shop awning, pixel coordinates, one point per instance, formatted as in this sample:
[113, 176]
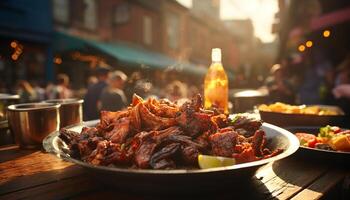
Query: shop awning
[330, 19]
[125, 53]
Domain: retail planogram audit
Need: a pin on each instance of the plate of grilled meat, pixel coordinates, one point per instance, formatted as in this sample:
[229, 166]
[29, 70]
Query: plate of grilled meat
[158, 144]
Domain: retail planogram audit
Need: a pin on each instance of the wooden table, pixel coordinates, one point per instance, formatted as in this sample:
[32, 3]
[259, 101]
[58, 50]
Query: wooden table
[33, 174]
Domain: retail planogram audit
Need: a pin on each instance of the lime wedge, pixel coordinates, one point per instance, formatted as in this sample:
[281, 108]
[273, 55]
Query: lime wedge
[206, 161]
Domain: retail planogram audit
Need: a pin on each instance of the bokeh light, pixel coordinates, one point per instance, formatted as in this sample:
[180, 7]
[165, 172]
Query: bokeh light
[13, 44]
[326, 33]
[309, 43]
[301, 48]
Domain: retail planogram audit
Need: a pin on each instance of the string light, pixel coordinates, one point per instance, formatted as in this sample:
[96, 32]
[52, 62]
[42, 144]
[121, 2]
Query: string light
[326, 33]
[14, 56]
[301, 48]
[57, 60]
[13, 44]
[309, 43]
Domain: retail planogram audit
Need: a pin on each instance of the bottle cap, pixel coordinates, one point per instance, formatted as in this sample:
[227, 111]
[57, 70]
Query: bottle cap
[216, 55]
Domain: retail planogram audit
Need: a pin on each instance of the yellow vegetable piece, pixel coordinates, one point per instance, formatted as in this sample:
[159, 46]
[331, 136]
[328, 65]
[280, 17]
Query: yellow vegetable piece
[340, 143]
[206, 161]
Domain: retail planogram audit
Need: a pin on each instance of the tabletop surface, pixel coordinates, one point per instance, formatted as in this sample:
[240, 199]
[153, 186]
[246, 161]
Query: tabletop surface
[33, 174]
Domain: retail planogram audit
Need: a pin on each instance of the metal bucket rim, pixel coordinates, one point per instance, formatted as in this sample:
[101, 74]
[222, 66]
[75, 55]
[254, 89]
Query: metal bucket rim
[32, 106]
[65, 101]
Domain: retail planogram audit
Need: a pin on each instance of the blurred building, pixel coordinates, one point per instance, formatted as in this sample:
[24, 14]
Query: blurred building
[44, 38]
[162, 31]
[25, 41]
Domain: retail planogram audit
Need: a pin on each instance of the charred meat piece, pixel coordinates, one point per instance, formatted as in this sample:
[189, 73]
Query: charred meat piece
[161, 110]
[135, 118]
[108, 117]
[223, 142]
[194, 123]
[136, 99]
[107, 153]
[189, 154]
[152, 122]
[81, 145]
[220, 120]
[120, 131]
[163, 159]
[246, 124]
[143, 144]
[259, 141]
[246, 155]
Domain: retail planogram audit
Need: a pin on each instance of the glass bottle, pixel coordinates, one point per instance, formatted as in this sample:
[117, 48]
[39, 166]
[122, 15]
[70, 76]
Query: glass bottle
[216, 84]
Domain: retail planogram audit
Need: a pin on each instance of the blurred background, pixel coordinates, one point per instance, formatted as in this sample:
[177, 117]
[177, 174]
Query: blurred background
[296, 50]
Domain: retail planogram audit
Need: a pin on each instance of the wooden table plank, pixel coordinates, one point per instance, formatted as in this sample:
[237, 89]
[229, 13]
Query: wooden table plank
[285, 178]
[56, 190]
[317, 189]
[24, 182]
[32, 163]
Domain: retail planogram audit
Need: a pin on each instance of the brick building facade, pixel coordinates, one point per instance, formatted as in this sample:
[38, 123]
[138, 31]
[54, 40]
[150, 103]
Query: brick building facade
[163, 26]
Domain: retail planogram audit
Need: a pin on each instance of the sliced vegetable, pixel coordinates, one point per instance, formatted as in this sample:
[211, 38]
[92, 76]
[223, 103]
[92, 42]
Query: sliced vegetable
[326, 131]
[205, 161]
[340, 142]
[312, 143]
[336, 129]
[305, 137]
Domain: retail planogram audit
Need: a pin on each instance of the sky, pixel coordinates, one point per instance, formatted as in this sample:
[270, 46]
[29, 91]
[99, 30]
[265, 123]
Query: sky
[260, 11]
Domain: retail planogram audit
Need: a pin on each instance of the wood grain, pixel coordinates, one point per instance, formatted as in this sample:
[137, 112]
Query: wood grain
[322, 186]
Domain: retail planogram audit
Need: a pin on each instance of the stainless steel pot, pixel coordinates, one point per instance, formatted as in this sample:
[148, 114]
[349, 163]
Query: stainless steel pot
[71, 111]
[5, 134]
[32, 122]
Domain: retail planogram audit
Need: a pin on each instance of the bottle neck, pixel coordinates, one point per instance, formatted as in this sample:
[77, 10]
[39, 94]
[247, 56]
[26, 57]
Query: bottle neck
[216, 62]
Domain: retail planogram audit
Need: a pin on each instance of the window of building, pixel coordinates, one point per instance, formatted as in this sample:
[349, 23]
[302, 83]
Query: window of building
[90, 14]
[147, 30]
[173, 25]
[121, 14]
[61, 10]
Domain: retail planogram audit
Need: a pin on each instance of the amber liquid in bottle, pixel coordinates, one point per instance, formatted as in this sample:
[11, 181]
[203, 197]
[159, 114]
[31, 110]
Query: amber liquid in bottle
[216, 84]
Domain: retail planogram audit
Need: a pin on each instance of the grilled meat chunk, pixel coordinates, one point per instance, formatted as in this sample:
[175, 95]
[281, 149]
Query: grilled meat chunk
[223, 142]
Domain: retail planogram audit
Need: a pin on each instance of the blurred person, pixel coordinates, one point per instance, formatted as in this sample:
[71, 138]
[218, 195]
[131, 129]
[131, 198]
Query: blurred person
[130, 85]
[113, 97]
[25, 92]
[317, 77]
[343, 72]
[278, 86]
[176, 90]
[39, 91]
[341, 91]
[144, 89]
[63, 87]
[94, 92]
[92, 80]
[61, 90]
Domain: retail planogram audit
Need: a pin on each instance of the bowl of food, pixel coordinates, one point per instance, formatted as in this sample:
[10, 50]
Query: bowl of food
[286, 115]
[178, 148]
[324, 143]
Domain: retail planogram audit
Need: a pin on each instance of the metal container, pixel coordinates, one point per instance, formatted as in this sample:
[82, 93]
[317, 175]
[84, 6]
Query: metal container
[32, 122]
[5, 134]
[71, 111]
